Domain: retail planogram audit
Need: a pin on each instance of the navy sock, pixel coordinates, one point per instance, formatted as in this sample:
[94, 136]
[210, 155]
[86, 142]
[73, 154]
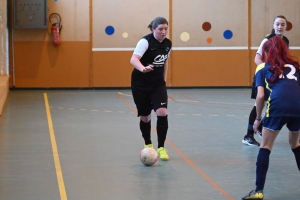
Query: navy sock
[162, 129]
[296, 151]
[262, 165]
[146, 131]
[252, 117]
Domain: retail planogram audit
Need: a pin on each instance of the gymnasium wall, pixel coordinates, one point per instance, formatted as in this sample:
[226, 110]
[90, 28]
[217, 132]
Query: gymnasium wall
[214, 42]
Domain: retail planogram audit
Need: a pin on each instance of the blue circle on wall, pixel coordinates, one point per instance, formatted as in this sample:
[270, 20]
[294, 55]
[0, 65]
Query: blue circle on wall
[109, 30]
[227, 34]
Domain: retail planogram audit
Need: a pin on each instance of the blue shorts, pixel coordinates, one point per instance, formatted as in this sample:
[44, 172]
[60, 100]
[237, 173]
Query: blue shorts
[276, 123]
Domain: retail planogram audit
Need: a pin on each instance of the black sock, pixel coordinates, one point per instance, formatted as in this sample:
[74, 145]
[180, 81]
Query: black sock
[161, 128]
[262, 165]
[146, 131]
[252, 117]
[296, 151]
[260, 127]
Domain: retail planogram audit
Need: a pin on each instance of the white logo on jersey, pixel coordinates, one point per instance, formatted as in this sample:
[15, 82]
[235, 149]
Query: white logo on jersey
[160, 59]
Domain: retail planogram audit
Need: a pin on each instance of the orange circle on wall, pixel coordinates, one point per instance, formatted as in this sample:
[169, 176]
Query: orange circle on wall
[209, 40]
[289, 26]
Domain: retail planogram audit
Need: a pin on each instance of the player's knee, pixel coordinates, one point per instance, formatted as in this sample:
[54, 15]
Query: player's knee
[161, 112]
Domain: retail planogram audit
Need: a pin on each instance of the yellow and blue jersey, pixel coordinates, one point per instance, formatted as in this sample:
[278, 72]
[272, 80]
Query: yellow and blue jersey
[284, 94]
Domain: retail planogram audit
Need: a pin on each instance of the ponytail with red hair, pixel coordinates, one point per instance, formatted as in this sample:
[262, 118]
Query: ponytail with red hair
[276, 53]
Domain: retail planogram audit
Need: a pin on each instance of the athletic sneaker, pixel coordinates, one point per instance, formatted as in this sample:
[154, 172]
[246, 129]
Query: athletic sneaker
[162, 153]
[254, 195]
[259, 133]
[249, 140]
[148, 146]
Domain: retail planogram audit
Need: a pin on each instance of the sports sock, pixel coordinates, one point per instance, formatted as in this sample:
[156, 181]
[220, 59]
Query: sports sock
[162, 128]
[146, 131]
[296, 151]
[260, 127]
[252, 117]
[262, 165]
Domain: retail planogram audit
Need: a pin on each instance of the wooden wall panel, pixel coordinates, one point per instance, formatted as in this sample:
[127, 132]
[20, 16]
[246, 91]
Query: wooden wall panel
[190, 15]
[88, 57]
[263, 14]
[209, 68]
[42, 65]
[112, 69]
[130, 16]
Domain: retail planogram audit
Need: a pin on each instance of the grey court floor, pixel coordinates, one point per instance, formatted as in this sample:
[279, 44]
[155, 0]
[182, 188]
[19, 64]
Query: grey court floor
[85, 144]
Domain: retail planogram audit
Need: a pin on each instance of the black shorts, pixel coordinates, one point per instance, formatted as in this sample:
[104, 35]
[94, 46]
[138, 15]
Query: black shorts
[254, 92]
[148, 99]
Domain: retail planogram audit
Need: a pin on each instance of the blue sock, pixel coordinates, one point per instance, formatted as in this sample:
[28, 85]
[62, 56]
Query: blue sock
[262, 165]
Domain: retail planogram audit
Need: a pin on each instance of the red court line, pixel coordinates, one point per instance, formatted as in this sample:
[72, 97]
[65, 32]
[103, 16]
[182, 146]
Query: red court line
[188, 97]
[172, 99]
[189, 161]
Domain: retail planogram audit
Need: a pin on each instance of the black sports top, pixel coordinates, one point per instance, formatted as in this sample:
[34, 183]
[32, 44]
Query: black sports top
[156, 55]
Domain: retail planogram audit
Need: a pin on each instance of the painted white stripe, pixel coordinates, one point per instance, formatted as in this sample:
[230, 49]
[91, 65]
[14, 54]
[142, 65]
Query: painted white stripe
[210, 48]
[292, 48]
[191, 48]
[113, 49]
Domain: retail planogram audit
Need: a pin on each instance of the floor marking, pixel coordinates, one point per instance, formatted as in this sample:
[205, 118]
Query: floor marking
[107, 111]
[186, 100]
[60, 180]
[172, 99]
[228, 103]
[121, 93]
[190, 162]
[71, 109]
[82, 109]
[214, 115]
[197, 114]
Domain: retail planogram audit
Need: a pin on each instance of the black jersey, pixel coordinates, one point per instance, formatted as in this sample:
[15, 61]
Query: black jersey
[156, 55]
[284, 38]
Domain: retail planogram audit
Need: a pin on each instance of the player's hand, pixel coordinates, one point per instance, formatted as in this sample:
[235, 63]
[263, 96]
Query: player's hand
[256, 125]
[148, 68]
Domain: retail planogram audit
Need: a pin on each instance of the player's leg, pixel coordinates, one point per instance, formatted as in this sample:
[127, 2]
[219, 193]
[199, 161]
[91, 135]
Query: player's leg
[271, 128]
[160, 104]
[249, 137]
[294, 133]
[142, 101]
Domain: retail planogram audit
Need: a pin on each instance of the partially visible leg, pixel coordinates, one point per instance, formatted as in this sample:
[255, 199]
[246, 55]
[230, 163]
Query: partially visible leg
[145, 127]
[249, 137]
[262, 163]
[162, 126]
[295, 145]
[162, 129]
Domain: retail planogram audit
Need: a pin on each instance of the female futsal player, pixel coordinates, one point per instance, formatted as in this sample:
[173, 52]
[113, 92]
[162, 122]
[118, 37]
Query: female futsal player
[148, 82]
[279, 27]
[280, 77]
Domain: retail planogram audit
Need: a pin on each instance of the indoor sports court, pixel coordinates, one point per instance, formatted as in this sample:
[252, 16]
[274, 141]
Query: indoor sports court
[68, 122]
[85, 144]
